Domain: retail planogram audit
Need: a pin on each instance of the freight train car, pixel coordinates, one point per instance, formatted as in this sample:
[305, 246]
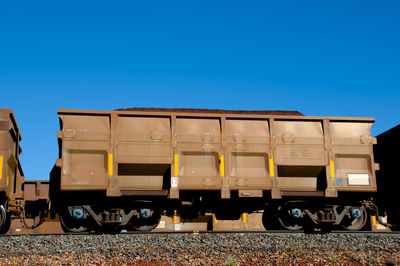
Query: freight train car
[388, 176]
[123, 169]
[18, 199]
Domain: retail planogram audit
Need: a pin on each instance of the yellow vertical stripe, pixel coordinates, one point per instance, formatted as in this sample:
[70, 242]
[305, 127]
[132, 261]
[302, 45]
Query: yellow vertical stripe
[215, 220]
[110, 164]
[271, 166]
[176, 162]
[373, 220]
[245, 218]
[331, 165]
[1, 167]
[175, 217]
[222, 166]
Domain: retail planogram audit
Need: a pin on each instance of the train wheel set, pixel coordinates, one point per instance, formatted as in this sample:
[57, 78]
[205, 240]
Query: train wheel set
[125, 169]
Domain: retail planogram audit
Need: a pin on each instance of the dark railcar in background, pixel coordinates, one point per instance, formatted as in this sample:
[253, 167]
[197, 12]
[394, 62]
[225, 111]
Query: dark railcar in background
[388, 177]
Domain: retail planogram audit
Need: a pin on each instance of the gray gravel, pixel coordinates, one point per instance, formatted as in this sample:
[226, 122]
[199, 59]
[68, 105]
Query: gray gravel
[201, 249]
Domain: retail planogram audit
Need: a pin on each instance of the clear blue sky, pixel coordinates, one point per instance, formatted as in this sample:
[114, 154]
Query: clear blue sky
[331, 58]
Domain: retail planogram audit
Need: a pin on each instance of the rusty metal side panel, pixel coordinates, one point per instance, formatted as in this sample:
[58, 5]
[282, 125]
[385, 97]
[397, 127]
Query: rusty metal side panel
[144, 152]
[352, 155]
[248, 154]
[299, 143]
[85, 149]
[199, 149]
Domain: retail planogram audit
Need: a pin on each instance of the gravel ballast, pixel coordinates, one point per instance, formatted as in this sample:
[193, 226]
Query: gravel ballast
[201, 249]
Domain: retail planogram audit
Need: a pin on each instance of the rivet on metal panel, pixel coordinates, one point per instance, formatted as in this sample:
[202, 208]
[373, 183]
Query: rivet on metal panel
[332, 167]
[69, 133]
[1, 167]
[208, 182]
[240, 147]
[110, 164]
[222, 165]
[271, 166]
[288, 137]
[241, 182]
[207, 136]
[155, 135]
[238, 137]
[207, 146]
[176, 163]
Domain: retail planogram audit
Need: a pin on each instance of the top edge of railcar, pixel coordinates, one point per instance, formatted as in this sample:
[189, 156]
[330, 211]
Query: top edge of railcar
[186, 112]
[212, 111]
[8, 110]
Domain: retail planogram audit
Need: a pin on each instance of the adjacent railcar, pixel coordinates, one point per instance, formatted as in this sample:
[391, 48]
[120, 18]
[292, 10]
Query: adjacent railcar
[123, 169]
[388, 176]
[18, 199]
[11, 175]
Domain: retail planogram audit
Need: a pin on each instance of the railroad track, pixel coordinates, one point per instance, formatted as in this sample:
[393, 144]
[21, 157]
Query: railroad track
[203, 233]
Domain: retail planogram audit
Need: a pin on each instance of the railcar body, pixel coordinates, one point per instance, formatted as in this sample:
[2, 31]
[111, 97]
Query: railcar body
[123, 169]
[18, 199]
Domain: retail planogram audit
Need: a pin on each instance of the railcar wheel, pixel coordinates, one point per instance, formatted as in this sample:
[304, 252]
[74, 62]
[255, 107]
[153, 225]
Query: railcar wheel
[69, 225]
[269, 220]
[357, 223]
[286, 220]
[5, 220]
[146, 224]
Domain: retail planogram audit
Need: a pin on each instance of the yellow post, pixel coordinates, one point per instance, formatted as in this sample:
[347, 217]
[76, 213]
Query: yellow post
[175, 217]
[215, 220]
[1, 167]
[332, 166]
[245, 218]
[222, 166]
[271, 166]
[373, 218]
[176, 163]
[110, 164]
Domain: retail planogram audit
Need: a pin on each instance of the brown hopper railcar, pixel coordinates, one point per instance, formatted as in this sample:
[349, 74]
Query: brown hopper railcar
[123, 169]
[18, 199]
